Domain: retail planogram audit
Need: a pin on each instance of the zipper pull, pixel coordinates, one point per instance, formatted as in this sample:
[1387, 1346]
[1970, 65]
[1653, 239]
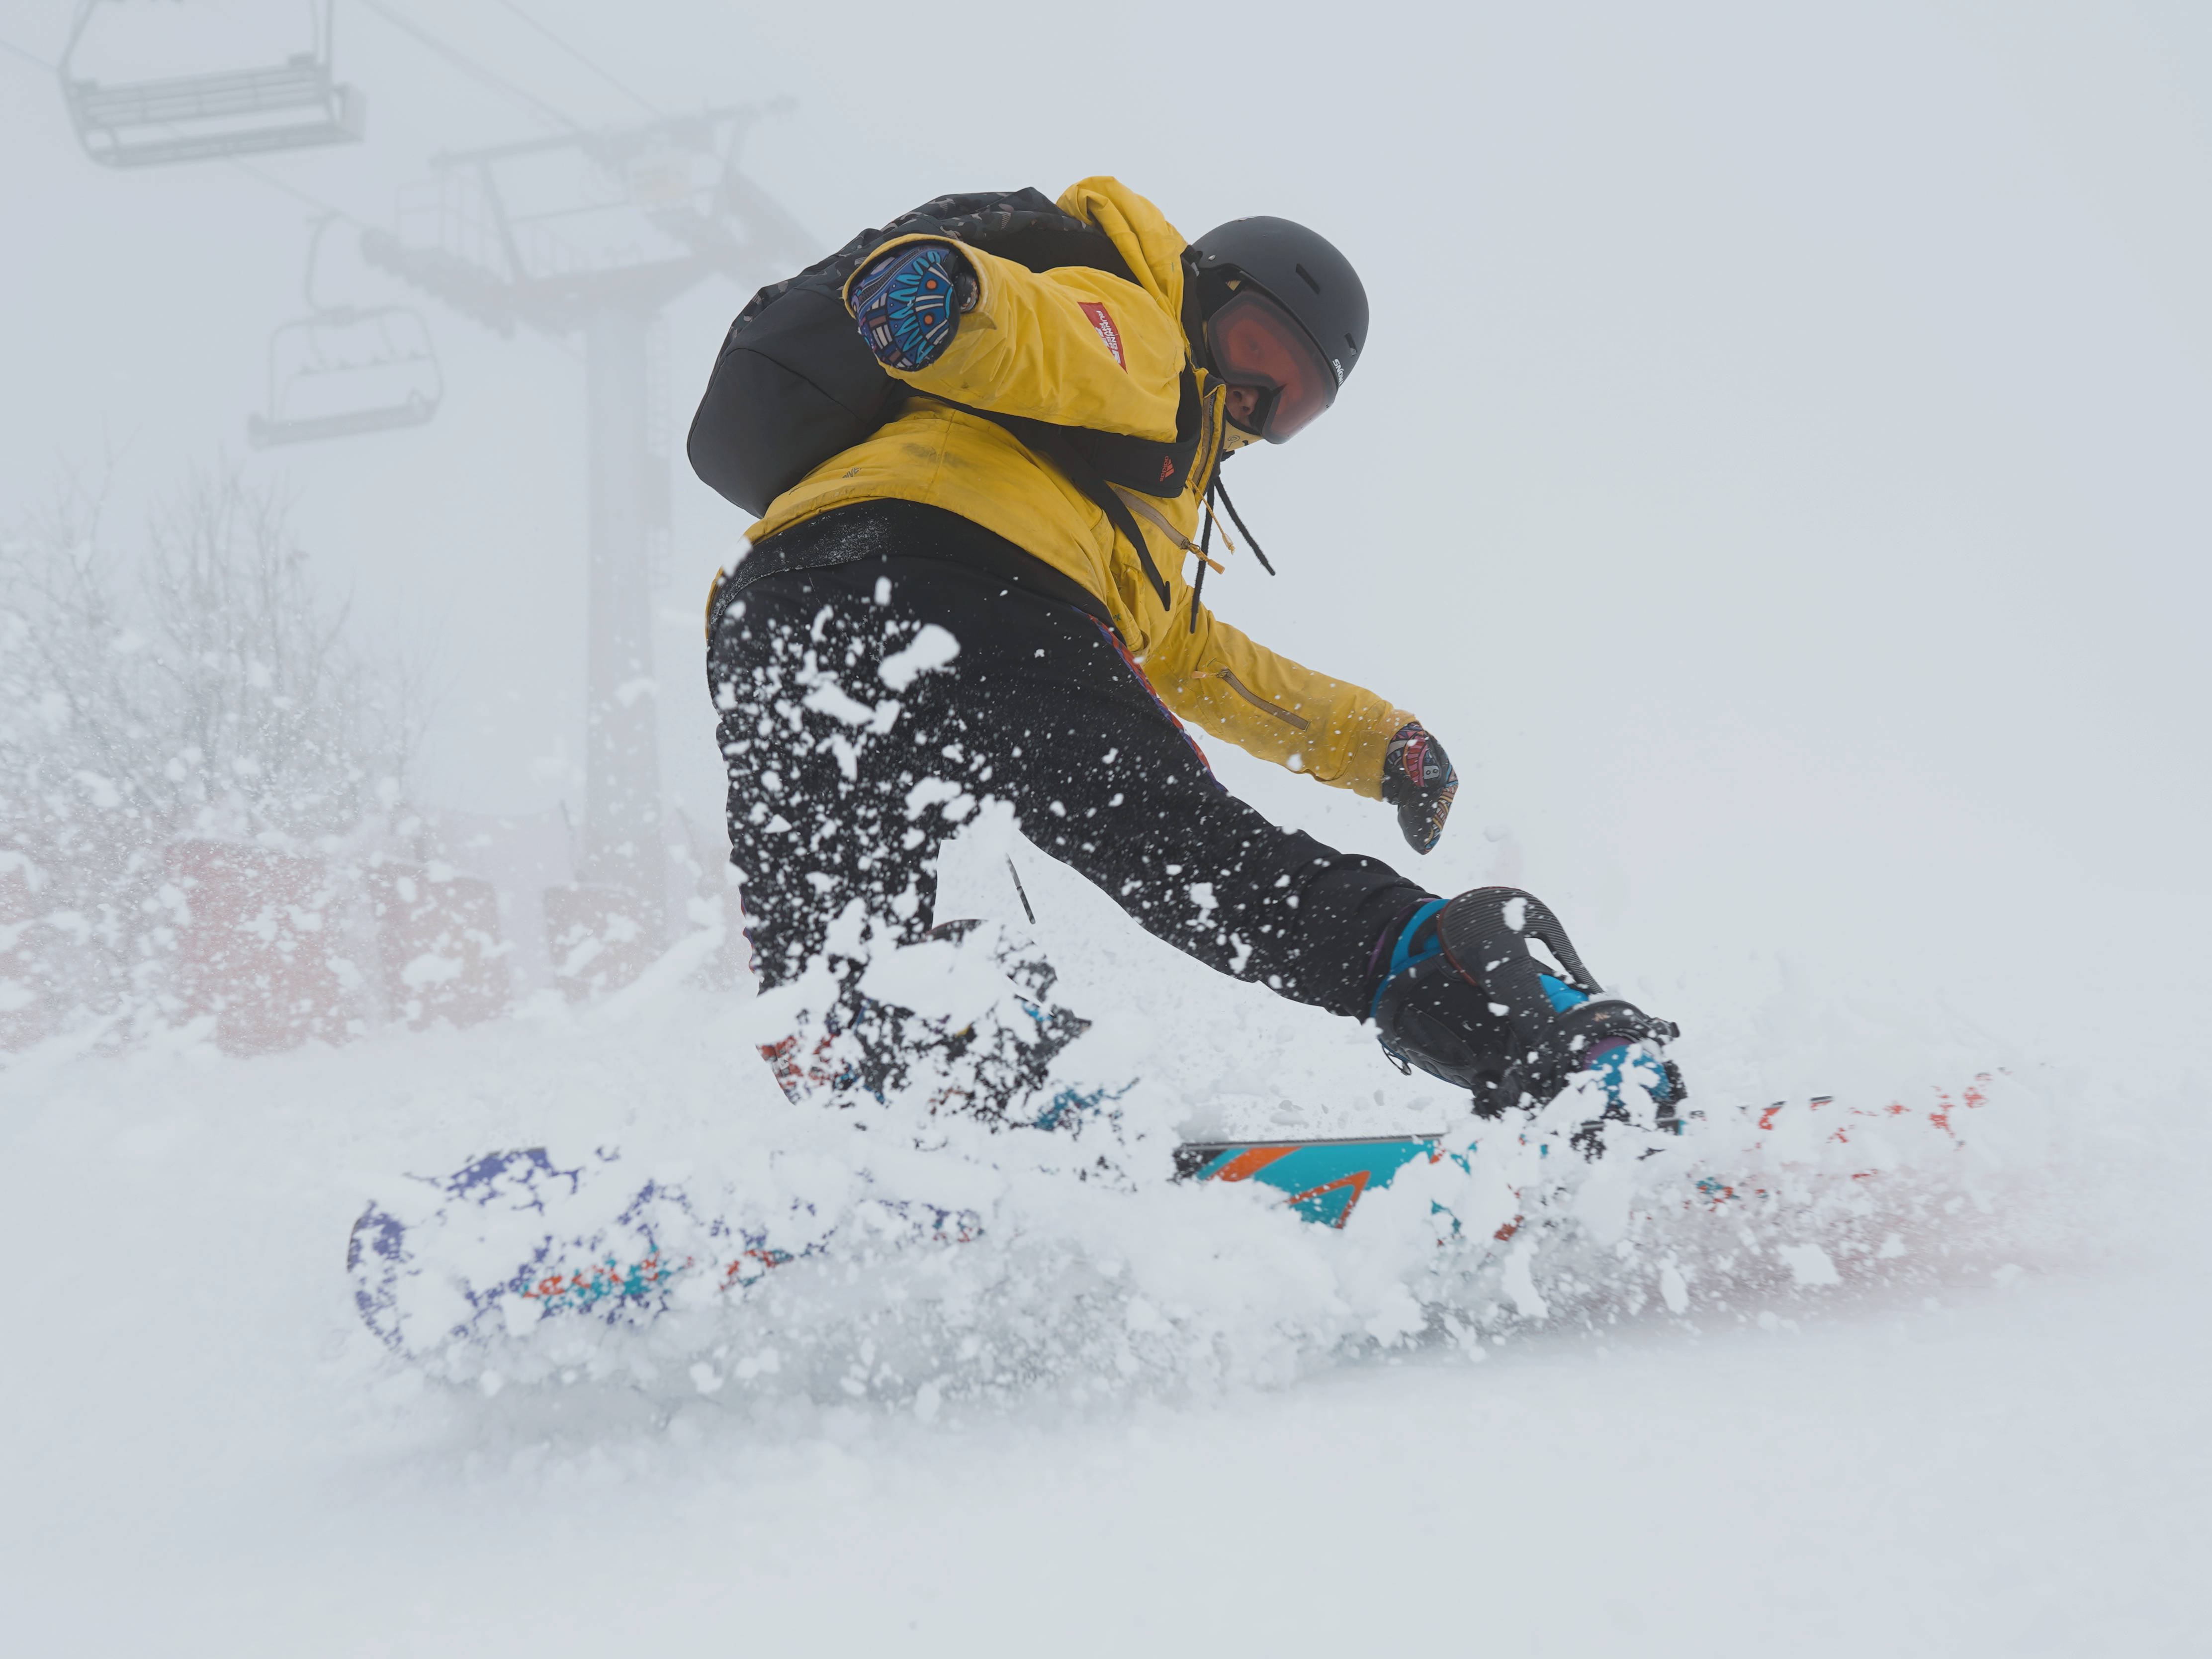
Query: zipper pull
[1217, 526]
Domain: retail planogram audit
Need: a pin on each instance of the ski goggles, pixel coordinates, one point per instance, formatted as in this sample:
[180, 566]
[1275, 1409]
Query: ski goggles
[1256, 343]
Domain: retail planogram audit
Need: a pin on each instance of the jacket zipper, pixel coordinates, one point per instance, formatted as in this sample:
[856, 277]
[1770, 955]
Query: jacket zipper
[1230, 680]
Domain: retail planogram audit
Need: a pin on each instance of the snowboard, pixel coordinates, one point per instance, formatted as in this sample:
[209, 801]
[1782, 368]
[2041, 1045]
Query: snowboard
[1322, 1180]
[515, 1238]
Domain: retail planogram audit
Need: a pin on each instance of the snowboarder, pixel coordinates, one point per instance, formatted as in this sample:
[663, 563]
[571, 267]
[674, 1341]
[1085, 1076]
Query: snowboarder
[983, 596]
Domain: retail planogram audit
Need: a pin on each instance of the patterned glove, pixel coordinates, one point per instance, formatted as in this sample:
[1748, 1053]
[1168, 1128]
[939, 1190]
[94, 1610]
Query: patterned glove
[1419, 781]
[907, 302]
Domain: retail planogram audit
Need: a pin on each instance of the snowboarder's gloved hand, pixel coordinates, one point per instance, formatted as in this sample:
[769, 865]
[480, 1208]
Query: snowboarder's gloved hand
[907, 302]
[1418, 779]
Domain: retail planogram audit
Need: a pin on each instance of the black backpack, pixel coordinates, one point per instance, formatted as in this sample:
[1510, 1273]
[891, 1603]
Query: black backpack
[795, 384]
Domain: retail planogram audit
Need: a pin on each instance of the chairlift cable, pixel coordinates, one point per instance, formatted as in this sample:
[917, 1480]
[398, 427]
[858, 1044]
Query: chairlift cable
[468, 66]
[295, 193]
[28, 57]
[643, 103]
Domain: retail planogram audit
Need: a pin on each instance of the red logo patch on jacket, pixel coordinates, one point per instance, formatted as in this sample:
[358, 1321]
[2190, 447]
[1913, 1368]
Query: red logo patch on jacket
[1102, 320]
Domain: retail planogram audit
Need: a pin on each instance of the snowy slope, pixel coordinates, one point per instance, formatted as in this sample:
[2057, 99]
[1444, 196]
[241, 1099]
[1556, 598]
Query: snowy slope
[1989, 1439]
[1791, 516]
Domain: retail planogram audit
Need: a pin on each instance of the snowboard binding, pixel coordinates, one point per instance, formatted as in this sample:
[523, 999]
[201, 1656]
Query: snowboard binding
[1466, 997]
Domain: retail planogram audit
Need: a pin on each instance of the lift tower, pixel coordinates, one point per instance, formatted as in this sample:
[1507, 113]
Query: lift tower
[594, 233]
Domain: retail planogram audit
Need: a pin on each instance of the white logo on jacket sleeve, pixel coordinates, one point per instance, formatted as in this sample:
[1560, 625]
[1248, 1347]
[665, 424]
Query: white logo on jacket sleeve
[1102, 320]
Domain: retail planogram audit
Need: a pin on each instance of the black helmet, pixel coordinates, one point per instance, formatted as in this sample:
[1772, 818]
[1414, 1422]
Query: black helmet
[1304, 275]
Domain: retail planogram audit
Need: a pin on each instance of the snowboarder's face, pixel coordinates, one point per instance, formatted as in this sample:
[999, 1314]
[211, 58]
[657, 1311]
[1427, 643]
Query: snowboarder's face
[1258, 348]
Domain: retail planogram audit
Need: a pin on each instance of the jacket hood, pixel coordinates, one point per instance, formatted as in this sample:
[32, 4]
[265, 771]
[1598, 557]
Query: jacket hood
[1150, 246]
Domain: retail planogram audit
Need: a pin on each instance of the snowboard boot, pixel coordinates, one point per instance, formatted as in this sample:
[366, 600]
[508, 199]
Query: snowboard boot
[998, 1065]
[993, 1069]
[1465, 996]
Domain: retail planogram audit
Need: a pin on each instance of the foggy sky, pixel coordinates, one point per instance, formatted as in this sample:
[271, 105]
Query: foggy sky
[1777, 475]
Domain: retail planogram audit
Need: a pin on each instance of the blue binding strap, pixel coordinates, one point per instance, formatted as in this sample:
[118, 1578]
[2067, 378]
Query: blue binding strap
[1561, 995]
[1402, 955]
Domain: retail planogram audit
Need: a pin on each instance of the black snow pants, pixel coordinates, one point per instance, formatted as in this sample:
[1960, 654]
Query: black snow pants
[880, 669]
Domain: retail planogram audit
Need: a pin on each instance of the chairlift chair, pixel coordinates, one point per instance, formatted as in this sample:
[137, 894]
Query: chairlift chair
[342, 370]
[291, 105]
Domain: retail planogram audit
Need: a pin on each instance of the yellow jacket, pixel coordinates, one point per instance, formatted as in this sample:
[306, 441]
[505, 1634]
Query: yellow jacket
[1078, 347]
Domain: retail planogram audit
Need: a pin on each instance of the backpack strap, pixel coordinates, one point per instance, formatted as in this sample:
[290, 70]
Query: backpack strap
[1057, 444]
[1145, 465]
[1095, 462]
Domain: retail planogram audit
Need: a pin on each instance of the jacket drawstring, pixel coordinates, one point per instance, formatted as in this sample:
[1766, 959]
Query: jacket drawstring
[1205, 541]
[1237, 519]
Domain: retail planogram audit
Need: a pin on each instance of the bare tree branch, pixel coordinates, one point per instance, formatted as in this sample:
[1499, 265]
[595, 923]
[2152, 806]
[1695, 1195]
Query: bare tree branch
[204, 686]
